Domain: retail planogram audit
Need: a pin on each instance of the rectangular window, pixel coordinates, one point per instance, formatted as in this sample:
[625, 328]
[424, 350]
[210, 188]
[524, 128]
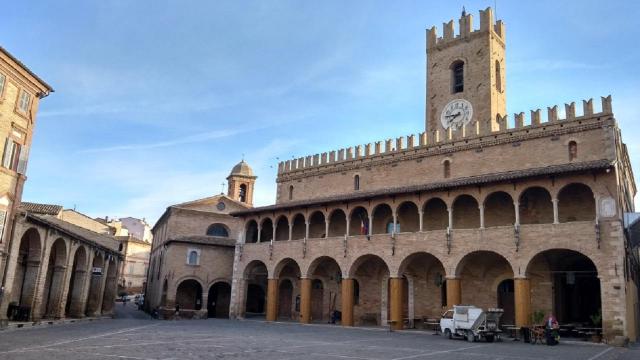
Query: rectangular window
[24, 101]
[3, 80]
[11, 156]
[3, 219]
[132, 268]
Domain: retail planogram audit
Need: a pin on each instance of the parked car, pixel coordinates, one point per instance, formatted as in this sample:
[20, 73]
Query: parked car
[472, 323]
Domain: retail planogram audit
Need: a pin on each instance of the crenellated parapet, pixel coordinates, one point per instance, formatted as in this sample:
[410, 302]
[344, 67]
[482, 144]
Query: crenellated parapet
[465, 29]
[521, 125]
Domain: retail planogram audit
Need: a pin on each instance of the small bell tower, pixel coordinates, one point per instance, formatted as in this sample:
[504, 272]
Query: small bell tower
[241, 182]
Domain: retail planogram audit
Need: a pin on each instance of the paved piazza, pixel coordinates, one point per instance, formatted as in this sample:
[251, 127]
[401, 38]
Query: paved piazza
[136, 338]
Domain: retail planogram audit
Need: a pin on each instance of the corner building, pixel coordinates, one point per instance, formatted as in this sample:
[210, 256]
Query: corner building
[526, 214]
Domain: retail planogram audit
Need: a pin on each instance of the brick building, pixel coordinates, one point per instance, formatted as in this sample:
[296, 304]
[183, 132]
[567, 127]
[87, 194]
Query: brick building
[525, 215]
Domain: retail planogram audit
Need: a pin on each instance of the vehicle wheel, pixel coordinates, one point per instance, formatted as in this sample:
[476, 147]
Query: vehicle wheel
[489, 338]
[470, 336]
[447, 333]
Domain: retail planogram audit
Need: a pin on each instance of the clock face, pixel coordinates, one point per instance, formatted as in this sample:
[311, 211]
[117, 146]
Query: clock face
[456, 114]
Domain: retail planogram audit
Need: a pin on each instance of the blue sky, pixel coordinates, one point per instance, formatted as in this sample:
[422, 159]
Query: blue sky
[156, 100]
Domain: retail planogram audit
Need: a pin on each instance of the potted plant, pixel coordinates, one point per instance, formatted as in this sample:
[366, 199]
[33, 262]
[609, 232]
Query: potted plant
[596, 319]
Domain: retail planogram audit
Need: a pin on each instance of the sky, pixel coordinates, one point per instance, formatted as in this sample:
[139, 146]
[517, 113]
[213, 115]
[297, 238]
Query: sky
[155, 101]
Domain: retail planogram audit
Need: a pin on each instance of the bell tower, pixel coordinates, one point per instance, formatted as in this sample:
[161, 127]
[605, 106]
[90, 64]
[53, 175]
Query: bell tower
[466, 70]
[241, 181]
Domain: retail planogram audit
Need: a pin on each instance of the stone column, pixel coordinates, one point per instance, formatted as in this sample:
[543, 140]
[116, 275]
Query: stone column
[420, 219]
[305, 300]
[272, 299]
[348, 225]
[395, 287]
[259, 233]
[454, 292]
[516, 206]
[290, 231]
[555, 211]
[450, 210]
[395, 223]
[481, 207]
[273, 233]
[370, 229]
[326, 228]
[522, 289]
[347, 302]
[306, 230]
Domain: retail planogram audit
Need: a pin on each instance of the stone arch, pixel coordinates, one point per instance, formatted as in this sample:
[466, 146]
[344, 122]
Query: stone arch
[218, 229]
[317, 225]
[535, 206]
[372, 274]
[77, 282]
[255, 275]
[565, 282]
[27, 265]
[266, 230]
[317, 262]
[480, 272]
[337, 223]
[459, 262]
[298, 227]
[408, 217]
[576, 202]
[435, 215]
[251, 232]
[95, 285]
[282, 268]
[287, 271]
[425, 293]
[382, 216]
[499, 209]
[54, 279]
[282, 228]
[466, 212]
[110, 285]
[219, 299]
[189, 294]
[359, 221]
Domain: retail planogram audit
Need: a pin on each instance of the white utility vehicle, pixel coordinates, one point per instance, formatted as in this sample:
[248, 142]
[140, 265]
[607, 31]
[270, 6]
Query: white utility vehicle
[472, 323]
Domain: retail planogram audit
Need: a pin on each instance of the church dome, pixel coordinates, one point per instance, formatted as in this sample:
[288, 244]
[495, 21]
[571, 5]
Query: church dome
[241, 169]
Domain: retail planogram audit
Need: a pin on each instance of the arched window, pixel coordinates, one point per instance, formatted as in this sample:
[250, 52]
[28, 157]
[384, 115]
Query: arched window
[192, 259]
[573, 150]
[498, 76]
[218, 230]
[356, 182]
[290, 192]
[446, 167]
[243, 193]
[457, 77]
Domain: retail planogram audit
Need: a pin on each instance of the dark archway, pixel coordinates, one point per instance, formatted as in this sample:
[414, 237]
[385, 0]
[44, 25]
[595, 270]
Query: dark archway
[506, 301]
[337, 223]
[576, 203]
[426, 274]
[408, 218]
[466, 213]
[110, 287]
[317, 226]
[566, 283]
[256, 281]
[499, 210]
[480, 272]
[189, 295]
[266, 230]
[359, 222]
[327, 272]
[436, 215]
[285, 299]
[218, 300]
[382, 220]
[251, 234]
[26, 274]
[372, 273]
[54, 280]
[95, 285]
[282, 229]
[535, 206]
[299, 227]
[76, 283]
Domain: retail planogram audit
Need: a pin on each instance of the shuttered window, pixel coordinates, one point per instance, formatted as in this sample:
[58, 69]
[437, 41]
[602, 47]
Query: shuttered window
[3, 80]
[24, 101]
[11, 158]
[3, 220]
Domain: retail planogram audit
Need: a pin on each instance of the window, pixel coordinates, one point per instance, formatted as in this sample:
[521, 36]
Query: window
[356, 182]
[3, 80]
[498, 76]
[457, 72]
[446, 169]
[290, 192]
[24, 101]
[11, 157]
[3, 219]
[218, 230]
[132, 268]
[243, 193]
[573, 150]
[390, 227]
[192, 258]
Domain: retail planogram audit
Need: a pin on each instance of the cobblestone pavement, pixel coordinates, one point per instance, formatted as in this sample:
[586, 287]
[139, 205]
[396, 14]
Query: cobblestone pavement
[142, 339]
